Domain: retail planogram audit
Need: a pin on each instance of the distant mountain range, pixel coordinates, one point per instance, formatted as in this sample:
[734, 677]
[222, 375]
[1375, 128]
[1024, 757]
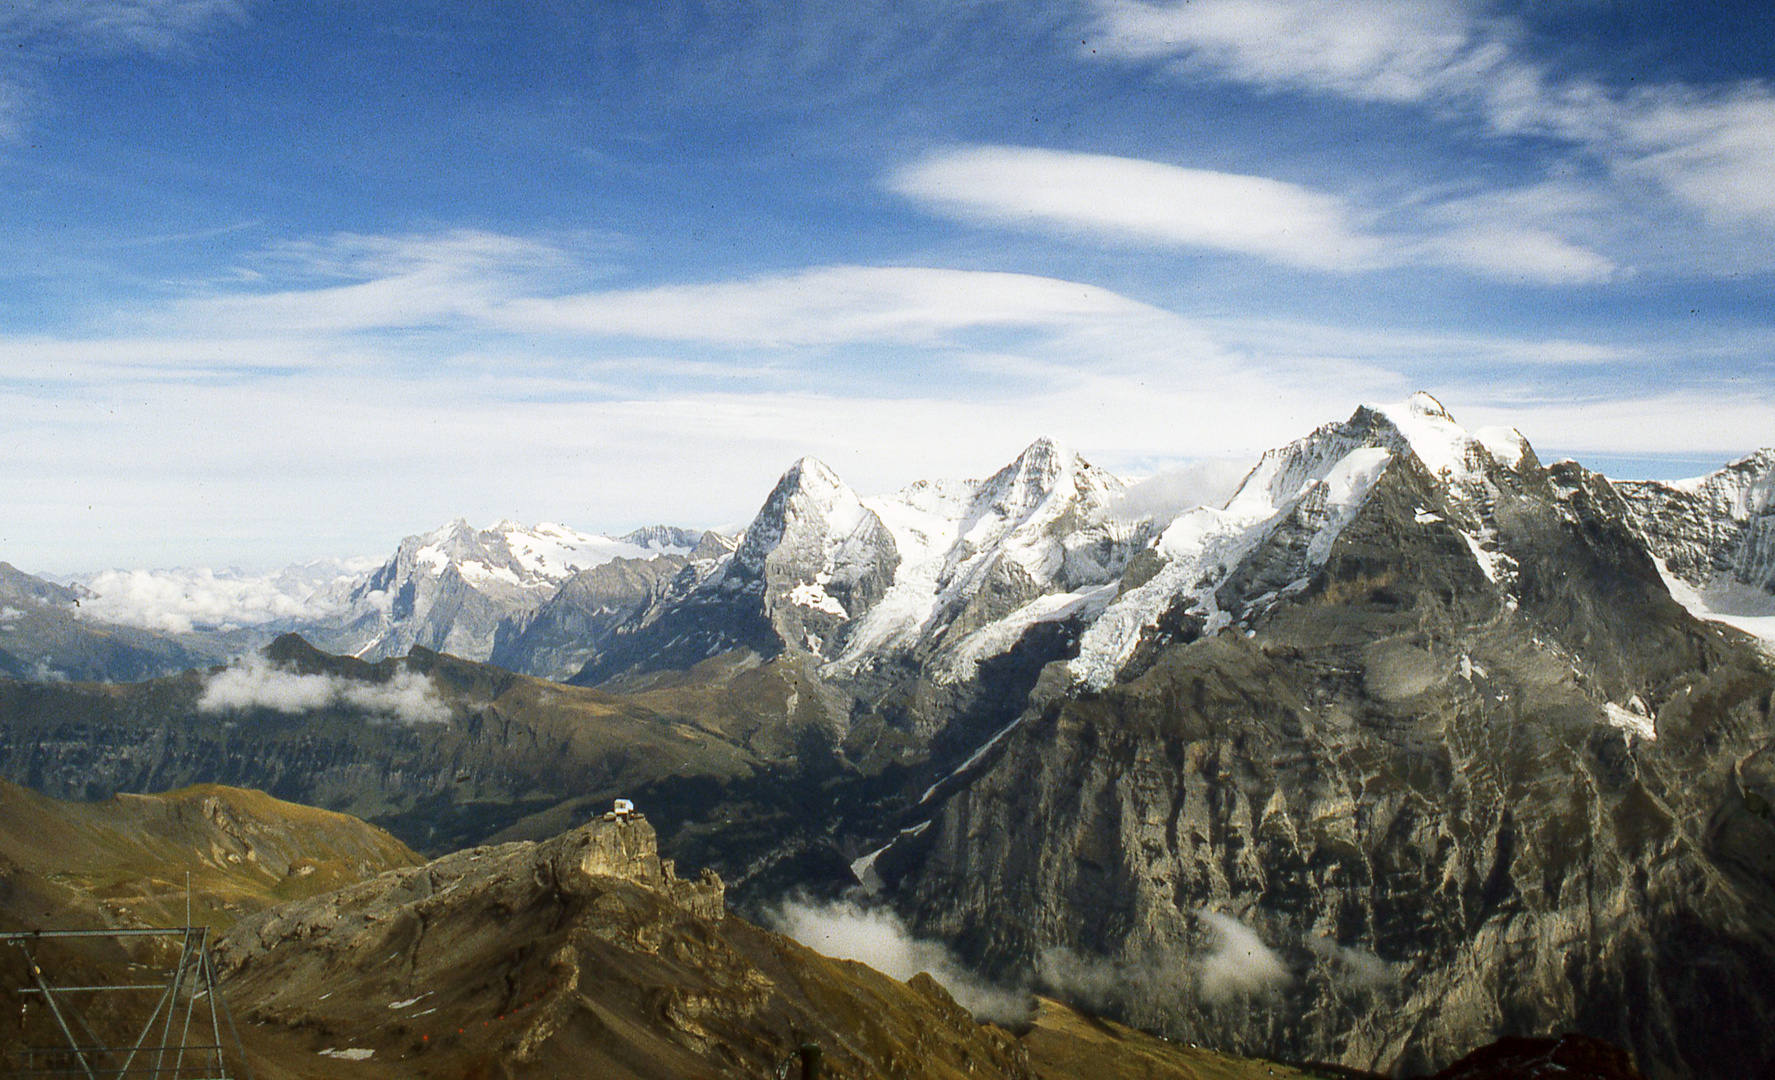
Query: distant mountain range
[942, 571]
[1438, 742]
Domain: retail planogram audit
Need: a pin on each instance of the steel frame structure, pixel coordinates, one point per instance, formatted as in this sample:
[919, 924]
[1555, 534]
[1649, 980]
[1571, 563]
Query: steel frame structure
[163, 1049]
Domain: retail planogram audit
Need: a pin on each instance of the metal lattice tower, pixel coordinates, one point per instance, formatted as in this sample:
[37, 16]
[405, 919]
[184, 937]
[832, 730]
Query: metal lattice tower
[180, 1038]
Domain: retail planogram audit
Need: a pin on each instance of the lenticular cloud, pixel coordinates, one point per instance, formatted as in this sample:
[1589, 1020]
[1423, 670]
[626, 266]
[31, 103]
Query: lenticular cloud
[408, 697]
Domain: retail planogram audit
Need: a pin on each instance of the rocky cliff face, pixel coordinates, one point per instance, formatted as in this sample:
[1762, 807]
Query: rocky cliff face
[1417, 752]
[1715, 538]
[1719, 524]
[579, 621]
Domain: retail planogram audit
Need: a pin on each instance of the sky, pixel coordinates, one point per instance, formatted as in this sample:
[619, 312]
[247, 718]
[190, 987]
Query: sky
[282, 279]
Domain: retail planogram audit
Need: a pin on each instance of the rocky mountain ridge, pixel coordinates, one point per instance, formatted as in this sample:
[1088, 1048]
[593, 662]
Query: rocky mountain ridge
[460, 590]
[1715, 538]
[1423, 739]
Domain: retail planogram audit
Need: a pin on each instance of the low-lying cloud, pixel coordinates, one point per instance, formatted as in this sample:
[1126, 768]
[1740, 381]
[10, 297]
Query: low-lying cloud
[1163, 496]
[182, 600]
[408, 696]
[1352, 967]
[877, 937]
[1236, 965]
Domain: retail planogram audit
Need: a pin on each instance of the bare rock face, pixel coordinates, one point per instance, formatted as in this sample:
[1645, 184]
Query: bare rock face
[576, 623]
[1457, 769]
[1721, 524]
[582, 956]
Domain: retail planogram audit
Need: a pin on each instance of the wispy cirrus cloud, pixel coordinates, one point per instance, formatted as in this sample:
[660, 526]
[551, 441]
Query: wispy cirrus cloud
[36, 32]
[1383, 51]
[1709, 149]
[1143, 202]
[1146, 203]
[829, 305]
[94, 25]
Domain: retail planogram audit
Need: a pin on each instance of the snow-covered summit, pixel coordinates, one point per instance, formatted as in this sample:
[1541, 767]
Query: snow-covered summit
[983, 560]
[1284, 518]
[519, 556]
[454, 587]
[943, 573]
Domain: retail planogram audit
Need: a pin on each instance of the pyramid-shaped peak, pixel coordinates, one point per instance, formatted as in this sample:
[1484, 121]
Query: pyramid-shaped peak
[1042, 461]
[1045, 453]
[809, 496]
[808, 472]
[1425, 405]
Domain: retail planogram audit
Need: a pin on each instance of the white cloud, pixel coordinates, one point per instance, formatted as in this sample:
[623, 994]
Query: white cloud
[877, 937]
[1235, 966]
[179, 600]
[1716, 152]
[197, 447]
[1710, 149]
[453, 278]
[1143, 202]
[1683, 422]
[1354, 967]
[1524, 233]
[1147, 203]
[1377, 50]
[153, 25]
[1164, 495]
[36, 33]
[254, 683]
[1237, 963]
[1506, 252]
[827, 305]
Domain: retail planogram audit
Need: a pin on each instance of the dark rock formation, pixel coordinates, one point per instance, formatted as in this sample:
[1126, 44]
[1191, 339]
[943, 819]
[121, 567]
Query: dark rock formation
[1478, 775]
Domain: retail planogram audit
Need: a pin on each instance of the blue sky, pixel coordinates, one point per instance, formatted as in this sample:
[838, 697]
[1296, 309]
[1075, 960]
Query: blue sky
[285, 279]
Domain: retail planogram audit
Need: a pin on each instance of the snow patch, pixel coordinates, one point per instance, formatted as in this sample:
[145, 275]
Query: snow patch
[1724, 600]
[814, 595]
[1497, 567]
[1325, 477]
[1505, 444]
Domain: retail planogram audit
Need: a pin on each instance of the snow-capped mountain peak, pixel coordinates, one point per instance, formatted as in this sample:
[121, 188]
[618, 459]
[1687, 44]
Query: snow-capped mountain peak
[809, 504]
[1293, 506]
[989, 558]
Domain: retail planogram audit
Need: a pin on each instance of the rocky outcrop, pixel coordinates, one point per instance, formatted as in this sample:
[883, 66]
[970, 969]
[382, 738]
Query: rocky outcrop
[583, 955]
[1572, 1057]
